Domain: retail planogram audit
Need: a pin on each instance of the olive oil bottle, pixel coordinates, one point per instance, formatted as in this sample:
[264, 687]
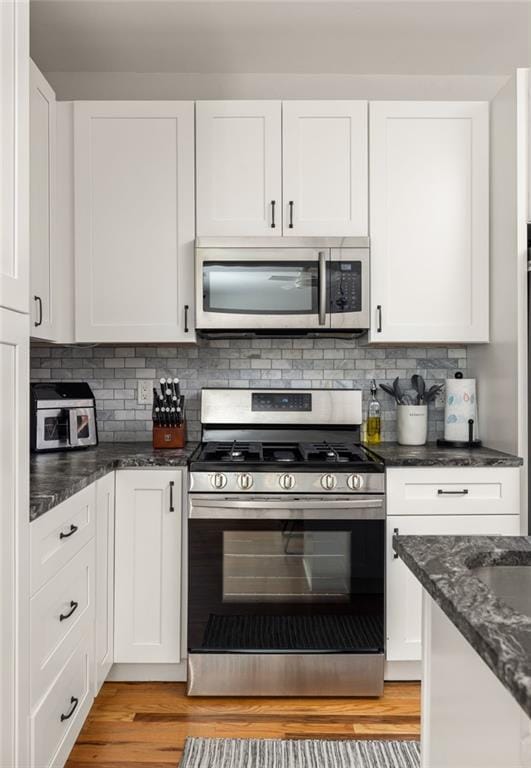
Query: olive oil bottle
[374, 417]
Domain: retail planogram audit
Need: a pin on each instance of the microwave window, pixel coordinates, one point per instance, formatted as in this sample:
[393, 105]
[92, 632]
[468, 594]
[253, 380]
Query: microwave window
[55, 428]
[261, 288]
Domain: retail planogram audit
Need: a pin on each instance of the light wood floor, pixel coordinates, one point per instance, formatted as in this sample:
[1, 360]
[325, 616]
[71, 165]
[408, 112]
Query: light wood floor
[144, 725]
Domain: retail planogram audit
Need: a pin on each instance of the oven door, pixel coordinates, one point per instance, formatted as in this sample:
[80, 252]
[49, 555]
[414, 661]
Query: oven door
[272, 574]
[257, 289]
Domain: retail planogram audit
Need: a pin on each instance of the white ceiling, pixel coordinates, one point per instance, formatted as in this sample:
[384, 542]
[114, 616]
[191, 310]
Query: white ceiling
[298, 36]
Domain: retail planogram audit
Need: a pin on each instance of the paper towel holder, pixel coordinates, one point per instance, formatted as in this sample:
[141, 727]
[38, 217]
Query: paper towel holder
[470, 443]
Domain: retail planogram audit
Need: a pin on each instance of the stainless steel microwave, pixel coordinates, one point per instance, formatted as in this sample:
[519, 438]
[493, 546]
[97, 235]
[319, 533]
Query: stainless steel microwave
[282, 284]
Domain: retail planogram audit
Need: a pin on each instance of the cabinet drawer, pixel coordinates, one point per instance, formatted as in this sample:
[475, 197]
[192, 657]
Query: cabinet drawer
[57, 721]
[60, 613]
[59, 534]
[453, 491]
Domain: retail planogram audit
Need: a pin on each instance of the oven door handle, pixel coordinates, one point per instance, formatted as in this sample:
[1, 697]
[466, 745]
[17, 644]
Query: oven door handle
[315, 509]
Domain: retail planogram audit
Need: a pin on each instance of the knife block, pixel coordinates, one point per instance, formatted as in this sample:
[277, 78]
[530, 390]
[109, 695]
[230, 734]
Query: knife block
[169, 437]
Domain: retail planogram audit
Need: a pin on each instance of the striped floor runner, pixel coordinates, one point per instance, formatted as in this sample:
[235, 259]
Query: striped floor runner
[273, 753]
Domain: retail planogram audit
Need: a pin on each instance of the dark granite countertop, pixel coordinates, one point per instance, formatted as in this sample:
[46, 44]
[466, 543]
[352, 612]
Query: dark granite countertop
[54, 477]
[430, 455]
[498, 633]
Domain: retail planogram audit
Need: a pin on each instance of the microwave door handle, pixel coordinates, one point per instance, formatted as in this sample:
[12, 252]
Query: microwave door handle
[72, 428]
[322, 288]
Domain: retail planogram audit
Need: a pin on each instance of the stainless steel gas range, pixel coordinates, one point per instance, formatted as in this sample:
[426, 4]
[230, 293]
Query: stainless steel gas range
[286, 547]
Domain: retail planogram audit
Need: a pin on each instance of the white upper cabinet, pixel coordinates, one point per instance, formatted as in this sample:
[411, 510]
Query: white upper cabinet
[42, 183]
[429, 221]
[14, 160]
[134, 221]
[238, 168]
[324, 180]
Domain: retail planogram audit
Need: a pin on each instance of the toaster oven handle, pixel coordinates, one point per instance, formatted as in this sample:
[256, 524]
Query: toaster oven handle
[72, 428]
[322, 288]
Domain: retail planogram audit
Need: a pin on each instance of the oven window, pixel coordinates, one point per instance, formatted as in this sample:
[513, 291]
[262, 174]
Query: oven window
[261, 288]
[55, 428]
[288, 565]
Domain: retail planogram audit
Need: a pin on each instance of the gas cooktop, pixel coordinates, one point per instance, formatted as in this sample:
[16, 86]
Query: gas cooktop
[263, 456]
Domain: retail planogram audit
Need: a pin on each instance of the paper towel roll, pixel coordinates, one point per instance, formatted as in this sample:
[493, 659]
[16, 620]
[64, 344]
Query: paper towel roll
[460, 406]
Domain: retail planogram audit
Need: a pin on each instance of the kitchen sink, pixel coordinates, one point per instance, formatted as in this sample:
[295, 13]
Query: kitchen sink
[510, 583]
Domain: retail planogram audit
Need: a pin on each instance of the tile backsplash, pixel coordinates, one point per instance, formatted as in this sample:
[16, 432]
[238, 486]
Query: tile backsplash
[113, 373]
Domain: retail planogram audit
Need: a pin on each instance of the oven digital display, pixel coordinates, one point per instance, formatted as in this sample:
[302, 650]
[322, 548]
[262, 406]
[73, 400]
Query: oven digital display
[276, 401]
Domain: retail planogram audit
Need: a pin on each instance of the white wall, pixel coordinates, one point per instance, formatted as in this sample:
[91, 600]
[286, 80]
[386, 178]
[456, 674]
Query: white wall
[501, 366]
[133, 85]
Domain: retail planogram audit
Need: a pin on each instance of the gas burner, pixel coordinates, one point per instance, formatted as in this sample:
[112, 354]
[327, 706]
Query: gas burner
[232, 451]
[333, 453]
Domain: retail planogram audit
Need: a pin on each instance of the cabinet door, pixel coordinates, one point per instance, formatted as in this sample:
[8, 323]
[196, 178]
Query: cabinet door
[147, 600]
[104, 640]
[134, 221]
[14, 486]
[14, 155]
[325, 159]
[429, 221]
[42, 183]
[403, 590]
[238, 168]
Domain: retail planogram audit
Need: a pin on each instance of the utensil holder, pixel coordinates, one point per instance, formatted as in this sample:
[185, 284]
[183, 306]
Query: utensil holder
[412, 424]
[169, 437]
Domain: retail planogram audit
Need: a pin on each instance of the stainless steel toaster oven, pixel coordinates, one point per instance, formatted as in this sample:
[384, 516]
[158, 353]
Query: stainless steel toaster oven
[62, 416]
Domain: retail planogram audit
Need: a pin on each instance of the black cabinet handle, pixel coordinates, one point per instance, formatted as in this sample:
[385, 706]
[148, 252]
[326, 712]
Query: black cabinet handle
[73, 529]
[462, 492]
[73, 606]
[379, 311]
[39, 304]
[172, 508]
[273, 225]
[186, 308]
[290, 225]
[395, 533]
[74, 703]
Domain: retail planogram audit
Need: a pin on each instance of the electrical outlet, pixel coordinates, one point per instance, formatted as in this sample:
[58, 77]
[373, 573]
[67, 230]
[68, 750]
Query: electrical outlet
[145, 392]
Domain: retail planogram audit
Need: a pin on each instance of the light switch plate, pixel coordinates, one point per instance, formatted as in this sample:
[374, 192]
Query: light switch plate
[145, 392]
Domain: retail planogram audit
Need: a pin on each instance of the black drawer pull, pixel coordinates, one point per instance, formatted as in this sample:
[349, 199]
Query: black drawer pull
[379, 311]
[290, 225]
[73, 606]
[273, 203]
[74, 703]
[73, 529]
[39, 304]
[172, 508]
[186, 308]
[395, 533]
[463, 492]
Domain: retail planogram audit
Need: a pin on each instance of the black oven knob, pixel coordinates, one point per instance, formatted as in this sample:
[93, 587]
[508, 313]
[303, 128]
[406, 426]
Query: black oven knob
[328, 482]
[218, 481]
[286, 481]
[355, 482]
[245, 481]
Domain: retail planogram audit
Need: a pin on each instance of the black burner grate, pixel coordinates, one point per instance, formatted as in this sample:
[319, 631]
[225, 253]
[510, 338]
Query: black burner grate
[294, 633]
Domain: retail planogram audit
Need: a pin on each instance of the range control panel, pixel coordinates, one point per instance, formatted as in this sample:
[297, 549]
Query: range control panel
[345, 286]
[275, 401]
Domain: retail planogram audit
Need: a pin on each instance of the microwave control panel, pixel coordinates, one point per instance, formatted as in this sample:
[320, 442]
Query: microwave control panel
[345, 286]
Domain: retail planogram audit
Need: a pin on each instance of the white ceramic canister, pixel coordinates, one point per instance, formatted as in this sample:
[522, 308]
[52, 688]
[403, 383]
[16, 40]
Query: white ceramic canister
[412, 424]
[460, 405]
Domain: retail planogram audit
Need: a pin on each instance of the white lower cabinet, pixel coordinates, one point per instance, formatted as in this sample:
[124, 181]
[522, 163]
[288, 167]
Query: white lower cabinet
[147, 618]
[439, 502]
[58, 718]
[104, 625]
